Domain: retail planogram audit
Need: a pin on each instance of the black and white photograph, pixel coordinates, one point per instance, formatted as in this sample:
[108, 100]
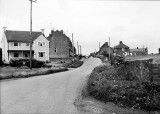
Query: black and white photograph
[79, 56]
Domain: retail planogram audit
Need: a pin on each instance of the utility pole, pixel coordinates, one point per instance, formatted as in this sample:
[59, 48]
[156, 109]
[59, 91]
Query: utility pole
[31, 33]
[109, 48]
[73, 44]
[99, 45]
[78, 47]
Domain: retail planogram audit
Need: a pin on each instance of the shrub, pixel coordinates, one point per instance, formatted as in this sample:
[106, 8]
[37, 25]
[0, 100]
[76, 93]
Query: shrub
[26, 62]
[35, 63]
[16, 63]
[124, 87]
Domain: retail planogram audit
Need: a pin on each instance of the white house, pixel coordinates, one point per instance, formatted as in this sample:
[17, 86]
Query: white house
[16, 45]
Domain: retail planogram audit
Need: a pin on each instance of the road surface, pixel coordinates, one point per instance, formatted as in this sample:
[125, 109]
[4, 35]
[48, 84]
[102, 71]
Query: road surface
[47, 94]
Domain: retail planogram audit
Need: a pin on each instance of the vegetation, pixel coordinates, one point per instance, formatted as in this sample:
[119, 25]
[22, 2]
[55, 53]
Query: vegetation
[26, 62]
[76, 64]
[126, 85]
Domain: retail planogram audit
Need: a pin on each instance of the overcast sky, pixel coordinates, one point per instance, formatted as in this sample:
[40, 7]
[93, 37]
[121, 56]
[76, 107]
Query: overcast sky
[136, 23]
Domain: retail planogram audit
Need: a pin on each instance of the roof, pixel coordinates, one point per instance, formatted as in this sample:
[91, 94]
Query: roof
[121, 45]
[20, 36]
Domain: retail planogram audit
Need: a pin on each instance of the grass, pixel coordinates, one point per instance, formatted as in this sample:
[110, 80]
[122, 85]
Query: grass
[76, 64]
[125, 86]
[14, 72]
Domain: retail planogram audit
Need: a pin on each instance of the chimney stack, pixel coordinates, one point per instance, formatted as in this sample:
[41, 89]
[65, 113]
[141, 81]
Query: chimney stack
[42, 31]
[4, 28]
[120, 42]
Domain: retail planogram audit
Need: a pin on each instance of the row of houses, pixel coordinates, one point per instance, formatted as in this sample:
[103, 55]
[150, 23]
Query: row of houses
[122, 50]
[16, 45]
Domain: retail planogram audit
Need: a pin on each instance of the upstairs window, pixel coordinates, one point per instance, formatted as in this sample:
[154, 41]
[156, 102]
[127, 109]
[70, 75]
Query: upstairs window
[15, 43]
[41, 43]
[55, 50]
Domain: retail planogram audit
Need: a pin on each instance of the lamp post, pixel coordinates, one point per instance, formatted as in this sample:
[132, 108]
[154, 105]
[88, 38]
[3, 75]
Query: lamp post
[31, 33]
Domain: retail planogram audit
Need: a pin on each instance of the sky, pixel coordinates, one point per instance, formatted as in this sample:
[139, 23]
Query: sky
[135, 23]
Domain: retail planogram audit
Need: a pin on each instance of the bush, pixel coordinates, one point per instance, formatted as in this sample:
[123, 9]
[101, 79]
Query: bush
[124, 88]
[26, 62]
[35, 63]
[1, 63]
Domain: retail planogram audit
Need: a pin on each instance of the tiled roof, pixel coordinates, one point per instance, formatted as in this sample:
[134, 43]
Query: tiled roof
[20, 36]
[121, 45]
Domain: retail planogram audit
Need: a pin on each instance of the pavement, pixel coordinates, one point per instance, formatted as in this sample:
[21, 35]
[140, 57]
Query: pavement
[47, 94]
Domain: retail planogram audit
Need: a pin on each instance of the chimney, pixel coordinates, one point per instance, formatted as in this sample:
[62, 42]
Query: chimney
[120, 42]
[4, 28]
[42, 31]
[137, 47]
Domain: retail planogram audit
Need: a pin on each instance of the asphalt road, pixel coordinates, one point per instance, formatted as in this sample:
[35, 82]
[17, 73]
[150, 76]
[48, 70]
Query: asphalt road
[47, 94]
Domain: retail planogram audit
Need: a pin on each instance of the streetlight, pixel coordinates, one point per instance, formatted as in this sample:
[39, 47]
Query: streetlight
[31, 33]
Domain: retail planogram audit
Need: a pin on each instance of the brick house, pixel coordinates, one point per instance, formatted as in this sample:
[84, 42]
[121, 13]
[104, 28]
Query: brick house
[60, 45]
[105, 49]
[139, 51]
[121, 49]
[16, 45]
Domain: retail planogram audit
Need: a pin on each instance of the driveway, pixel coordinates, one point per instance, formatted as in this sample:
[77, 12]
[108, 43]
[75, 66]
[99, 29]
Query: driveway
[47, 94]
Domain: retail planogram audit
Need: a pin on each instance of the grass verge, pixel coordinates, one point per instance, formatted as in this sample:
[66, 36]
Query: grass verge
[30, 73]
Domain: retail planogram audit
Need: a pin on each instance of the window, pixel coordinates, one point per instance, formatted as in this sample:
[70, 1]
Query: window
[41, 54]
[27, 44]
[41, 43]
[15, 43]
[16, 54]
[26, 55]
[55, 49]
[122, 49]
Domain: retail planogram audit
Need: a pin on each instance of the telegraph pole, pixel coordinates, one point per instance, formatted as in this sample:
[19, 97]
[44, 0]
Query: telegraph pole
[31, 33]
[78, 47]
[109, 48]
[72, 43]
[99, 45]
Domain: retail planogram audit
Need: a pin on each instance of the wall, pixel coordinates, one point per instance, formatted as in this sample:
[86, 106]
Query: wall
[4, 49]
[38, 49]
[61, 43]
[19, 47]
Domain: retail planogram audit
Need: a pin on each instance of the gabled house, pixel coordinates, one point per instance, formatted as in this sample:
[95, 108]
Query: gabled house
[139, 51]
[105, 49]
[60, 45]
[121, 49]
[16, 45]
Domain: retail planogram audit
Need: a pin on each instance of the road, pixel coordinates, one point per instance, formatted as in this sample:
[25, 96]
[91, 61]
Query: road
[47, 94]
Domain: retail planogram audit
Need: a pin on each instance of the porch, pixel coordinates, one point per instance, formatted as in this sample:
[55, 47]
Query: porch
[19, 54]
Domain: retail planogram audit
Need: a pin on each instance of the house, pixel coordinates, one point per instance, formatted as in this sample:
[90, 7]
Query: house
[105, 49]
[60, 45]
[121, 49]
[16, 45]
[139, 51]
